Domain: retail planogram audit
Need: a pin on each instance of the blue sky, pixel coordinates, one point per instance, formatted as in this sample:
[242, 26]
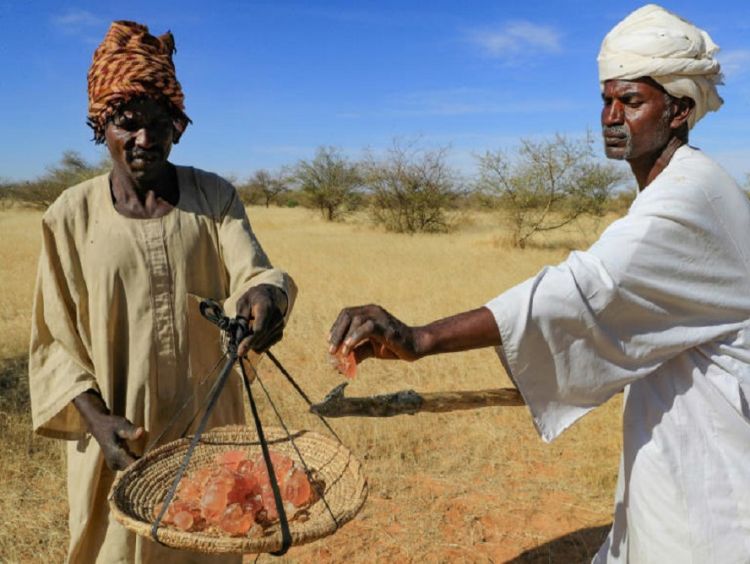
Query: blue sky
[268, 82]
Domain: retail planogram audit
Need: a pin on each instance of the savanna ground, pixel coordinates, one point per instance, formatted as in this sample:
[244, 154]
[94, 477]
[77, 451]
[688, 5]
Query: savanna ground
[471, 486]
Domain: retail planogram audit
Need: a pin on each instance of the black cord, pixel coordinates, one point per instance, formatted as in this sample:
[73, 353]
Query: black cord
[172, 421]
[286, 535]
[296, 386]
[308, 472]
[213, 395]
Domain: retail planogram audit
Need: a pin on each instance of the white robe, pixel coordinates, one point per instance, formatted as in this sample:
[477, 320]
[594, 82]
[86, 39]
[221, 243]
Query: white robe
[659, 306]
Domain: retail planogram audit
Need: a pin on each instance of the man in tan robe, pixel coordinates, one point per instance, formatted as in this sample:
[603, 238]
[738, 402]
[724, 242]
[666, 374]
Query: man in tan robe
[116, 347]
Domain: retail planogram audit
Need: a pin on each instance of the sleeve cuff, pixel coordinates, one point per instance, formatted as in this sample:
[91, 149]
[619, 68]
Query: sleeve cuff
[59, 418]
[528, 366]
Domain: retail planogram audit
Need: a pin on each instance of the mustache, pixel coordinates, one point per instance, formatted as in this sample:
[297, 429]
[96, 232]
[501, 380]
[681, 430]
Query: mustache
[616, 131]
[138, 153]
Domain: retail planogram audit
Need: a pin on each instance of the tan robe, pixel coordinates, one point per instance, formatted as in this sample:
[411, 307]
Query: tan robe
[111, 313]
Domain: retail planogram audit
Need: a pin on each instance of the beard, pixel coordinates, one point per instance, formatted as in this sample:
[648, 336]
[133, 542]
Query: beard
[623, 149]
[622, 134]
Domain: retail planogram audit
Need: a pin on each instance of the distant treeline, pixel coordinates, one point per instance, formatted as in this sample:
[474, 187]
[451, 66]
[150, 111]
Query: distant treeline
[42, 191]
[542, 185]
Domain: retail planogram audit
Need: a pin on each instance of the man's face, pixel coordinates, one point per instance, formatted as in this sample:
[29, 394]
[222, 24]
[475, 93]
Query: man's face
[139, 138]
[635, 118]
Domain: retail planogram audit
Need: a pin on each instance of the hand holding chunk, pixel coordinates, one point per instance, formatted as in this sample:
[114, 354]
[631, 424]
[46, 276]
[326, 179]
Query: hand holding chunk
[370, 331]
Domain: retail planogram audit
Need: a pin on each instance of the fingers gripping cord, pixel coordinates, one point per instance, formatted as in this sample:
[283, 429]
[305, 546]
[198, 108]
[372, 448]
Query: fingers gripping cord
[236, 328]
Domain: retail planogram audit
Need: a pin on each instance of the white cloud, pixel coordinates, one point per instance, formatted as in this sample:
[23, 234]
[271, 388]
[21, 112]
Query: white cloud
[514, 39]
[734, 62]
[74, 21]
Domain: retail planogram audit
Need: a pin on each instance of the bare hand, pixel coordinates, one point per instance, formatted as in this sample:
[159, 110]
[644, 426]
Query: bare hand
[370, 331]
[111, 431]
[264, 307]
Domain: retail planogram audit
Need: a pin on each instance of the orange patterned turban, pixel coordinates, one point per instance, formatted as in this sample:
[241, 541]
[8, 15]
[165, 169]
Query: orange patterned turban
[130, 63]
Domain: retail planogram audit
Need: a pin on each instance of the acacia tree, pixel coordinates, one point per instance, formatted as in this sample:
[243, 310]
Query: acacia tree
[411, 189]
[330, 181]
[548, 184]
[264, 187]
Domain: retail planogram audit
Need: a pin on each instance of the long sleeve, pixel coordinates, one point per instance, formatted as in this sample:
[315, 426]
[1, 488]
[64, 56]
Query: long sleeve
[666, 278]
[246, 263]
[59, 364]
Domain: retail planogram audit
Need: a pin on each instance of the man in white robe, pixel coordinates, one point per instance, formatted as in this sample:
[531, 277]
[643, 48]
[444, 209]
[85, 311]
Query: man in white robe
[119, 356]
[658, 307]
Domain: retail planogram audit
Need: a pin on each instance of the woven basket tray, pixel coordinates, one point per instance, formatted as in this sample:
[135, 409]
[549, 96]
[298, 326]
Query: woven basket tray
[145, 483]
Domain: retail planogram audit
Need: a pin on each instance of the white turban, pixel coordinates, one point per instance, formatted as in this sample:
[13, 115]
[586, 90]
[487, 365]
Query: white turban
[656, 43]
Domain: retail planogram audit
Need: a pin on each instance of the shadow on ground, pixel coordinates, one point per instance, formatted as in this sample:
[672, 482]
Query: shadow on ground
[576, 547]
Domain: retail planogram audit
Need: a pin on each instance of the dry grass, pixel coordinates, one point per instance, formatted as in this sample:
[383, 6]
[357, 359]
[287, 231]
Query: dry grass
[20, 238]
[475, 486]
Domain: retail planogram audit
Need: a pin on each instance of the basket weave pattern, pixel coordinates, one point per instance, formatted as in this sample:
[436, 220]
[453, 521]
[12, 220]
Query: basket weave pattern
[145, 483]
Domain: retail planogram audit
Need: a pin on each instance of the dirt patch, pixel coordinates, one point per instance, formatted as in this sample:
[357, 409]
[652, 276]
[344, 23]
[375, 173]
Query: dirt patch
[459, 526]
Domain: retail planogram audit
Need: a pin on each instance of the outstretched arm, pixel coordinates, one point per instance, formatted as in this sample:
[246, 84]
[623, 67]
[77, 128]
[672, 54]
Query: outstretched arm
[370, 331]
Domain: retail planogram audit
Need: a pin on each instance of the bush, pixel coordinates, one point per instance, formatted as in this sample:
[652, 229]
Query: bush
[412, 189]
[263, 188]
[330, 182]
[548, 184]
